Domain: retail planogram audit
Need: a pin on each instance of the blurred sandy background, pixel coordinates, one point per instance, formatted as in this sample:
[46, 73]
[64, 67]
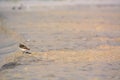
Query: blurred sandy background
[68, 41]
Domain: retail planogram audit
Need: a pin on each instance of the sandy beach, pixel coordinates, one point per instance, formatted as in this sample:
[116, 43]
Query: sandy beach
[69, 42]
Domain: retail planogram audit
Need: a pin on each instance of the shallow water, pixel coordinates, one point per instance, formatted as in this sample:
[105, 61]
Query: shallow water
[75, 28]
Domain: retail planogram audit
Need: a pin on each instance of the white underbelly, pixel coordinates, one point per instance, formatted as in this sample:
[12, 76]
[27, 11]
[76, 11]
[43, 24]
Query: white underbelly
[22, 49]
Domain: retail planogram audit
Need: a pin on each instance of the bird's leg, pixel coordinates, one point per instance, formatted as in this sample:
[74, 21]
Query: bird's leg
[23, 52]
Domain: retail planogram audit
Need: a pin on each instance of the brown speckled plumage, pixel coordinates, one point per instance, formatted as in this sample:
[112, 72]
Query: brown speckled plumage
[22, 46]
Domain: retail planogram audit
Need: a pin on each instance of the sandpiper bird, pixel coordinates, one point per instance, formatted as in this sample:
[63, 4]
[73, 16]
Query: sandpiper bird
[24, 48]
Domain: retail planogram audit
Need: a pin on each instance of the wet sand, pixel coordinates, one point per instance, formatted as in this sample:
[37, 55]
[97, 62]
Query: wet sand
[95, 64]
[67, 43]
